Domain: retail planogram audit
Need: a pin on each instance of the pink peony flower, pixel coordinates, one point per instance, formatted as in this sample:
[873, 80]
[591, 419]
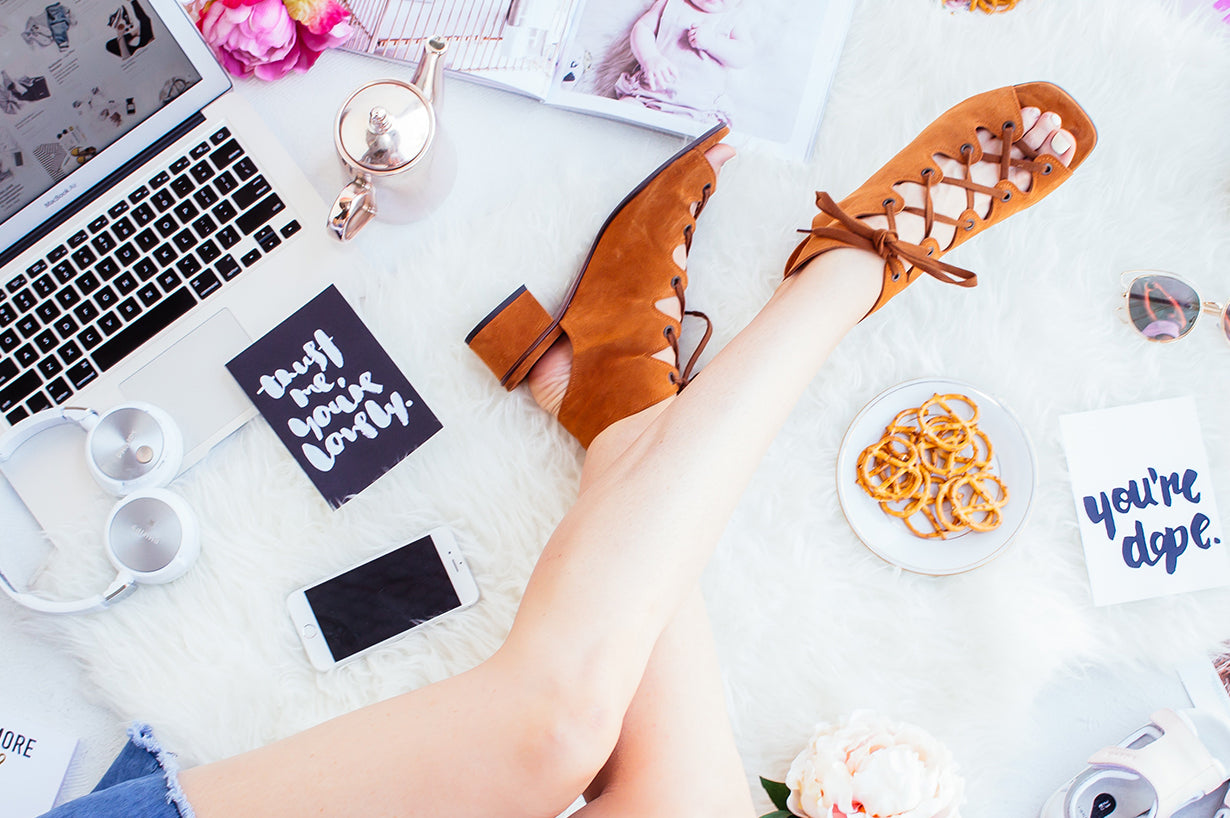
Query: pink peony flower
[261, 37]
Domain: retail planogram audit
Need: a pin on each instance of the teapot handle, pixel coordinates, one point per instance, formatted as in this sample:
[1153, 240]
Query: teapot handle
[352, 209]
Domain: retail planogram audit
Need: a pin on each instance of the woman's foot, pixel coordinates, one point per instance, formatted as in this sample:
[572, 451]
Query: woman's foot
[548, 379]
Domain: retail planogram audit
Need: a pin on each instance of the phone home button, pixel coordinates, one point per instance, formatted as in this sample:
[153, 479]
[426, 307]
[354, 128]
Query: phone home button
[309, 631]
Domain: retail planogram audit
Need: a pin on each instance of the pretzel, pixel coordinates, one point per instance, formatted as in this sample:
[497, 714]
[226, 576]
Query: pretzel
[932, 470]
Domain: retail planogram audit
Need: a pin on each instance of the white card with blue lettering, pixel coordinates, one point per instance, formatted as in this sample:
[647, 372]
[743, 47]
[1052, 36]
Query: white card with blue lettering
[1144, 501]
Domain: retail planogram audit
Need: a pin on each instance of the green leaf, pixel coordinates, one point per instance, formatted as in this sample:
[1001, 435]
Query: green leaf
[780, 813]
[778, 793]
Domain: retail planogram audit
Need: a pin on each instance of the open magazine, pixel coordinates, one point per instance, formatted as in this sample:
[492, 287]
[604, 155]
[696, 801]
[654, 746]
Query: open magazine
[762, 66]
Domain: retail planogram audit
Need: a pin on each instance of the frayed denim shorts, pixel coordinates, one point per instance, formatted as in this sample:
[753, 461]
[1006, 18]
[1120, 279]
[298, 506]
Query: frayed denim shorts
[142, 782]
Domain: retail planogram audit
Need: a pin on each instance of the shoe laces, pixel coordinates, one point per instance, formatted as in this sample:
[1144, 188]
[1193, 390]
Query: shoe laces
[672, 337]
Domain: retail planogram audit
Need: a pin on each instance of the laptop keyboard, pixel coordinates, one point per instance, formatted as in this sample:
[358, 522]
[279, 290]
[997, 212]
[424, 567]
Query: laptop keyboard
[156, 252]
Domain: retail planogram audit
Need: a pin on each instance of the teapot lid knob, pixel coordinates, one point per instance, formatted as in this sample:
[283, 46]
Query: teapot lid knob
[378, 120]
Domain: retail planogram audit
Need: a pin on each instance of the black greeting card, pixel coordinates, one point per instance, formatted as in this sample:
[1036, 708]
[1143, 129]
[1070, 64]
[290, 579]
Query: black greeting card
[334, 397]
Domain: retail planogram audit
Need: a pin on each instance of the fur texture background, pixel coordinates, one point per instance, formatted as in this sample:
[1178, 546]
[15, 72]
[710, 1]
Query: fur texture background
[809, 623]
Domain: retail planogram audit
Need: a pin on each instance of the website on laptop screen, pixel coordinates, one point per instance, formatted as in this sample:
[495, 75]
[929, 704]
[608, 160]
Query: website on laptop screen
[77, 75]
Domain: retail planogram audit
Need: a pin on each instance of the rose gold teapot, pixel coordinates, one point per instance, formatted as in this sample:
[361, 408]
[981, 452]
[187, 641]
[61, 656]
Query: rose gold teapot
[389, 140]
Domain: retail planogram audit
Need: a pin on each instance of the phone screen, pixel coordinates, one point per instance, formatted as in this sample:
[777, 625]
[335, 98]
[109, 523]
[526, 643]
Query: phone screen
[380, 599]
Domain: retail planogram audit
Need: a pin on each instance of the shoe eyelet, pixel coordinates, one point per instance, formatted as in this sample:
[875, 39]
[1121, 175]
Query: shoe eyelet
[668, 331]
[967, 148]
[1009, 125]
[969, 225]
[1047, 168]
[931, 251]
[1006, 197]
[927, 172]
[889, 202]
[676, 281]
[674, 380]
[896, 276]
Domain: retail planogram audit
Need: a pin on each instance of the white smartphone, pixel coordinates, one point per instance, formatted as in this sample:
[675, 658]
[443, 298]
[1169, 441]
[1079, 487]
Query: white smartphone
[382, 599]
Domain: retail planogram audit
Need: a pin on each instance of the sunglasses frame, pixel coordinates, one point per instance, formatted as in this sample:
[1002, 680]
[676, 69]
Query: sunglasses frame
[1128, 277]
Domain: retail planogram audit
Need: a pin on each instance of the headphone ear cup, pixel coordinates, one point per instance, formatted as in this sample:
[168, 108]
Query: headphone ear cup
[152, 535]
[134, 446]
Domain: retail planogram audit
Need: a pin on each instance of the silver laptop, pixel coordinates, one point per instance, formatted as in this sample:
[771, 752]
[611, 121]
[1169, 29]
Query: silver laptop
[152, 227]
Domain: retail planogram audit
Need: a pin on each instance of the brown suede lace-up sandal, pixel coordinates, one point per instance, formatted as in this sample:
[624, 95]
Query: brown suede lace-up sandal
[608, 313]
[955, 136]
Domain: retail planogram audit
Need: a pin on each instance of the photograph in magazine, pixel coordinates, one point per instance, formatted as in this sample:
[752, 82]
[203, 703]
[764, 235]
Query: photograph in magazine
[60, 86]
[761, 66]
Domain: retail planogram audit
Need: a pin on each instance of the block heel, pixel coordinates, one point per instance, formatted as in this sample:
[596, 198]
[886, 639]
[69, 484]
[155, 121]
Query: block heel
[513, 336]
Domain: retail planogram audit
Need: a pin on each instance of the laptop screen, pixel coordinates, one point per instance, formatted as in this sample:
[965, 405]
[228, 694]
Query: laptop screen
[78, 80]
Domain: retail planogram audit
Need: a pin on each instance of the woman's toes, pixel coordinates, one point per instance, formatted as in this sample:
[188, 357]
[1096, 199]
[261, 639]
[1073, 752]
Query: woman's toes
[1061, 144]
[1039, 129]
[719, 155]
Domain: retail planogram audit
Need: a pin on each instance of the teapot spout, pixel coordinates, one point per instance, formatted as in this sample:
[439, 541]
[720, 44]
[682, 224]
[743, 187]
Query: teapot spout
[429, 75]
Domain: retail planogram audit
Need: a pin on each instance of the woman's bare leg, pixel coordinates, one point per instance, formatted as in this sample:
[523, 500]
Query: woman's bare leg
[524, 732]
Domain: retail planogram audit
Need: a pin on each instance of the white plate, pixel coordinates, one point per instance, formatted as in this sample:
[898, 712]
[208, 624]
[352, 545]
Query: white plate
[887, 536]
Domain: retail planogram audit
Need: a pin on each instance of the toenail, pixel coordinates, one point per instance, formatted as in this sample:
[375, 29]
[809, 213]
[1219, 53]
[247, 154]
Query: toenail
[1061, 143]
[1055, 119]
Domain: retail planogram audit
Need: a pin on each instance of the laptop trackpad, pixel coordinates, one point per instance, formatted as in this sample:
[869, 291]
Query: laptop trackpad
[191, 382]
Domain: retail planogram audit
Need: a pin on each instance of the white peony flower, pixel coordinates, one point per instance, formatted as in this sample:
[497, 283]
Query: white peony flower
[871, 766]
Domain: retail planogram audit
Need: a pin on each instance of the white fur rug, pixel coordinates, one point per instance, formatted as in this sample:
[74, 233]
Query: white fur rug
[809, 623]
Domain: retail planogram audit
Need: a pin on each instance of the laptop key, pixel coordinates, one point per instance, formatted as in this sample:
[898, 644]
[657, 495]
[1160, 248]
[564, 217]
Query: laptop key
[106, 268]
[128, 309]
[224, 212]
[125, 283]
[81, 374]
[185, 211]
[46, 341]
[149, 295]
[206, 284]
[58, 252]
[19, 389]
[7, 314]
[251, 193]
[245, 168]
[27, 325]
[85, 312]
[166, 226]
[15, 283]
[44, 286]
[220, 135]
[163, 200]
[158, 318]
[24, 300]
[17, 415]
[145, 269]
[226, 153]
[110, 323]
[103, 243]
[137, 195]
[36, 268]
[227, 267]
[204, 226]
[225, 182]
[228, 237]
[117, 209]
[268, 207]
[165, 254]
[70, 352]
[68, 297]
[126, 254]
[47, 311]
[270, 241]
[290, 228]
[201, 171]
[88, 283]
[8, 371]
[84, 257]
[8, 340]
[79, 238]
[66, 326]
[182, 185]
[205, 197]
[251, 257]
[146, 240]
[90, 338]
[143, 215]
[184, 240]
[122, 228]
[199, 151]
[105, 298]
[50, 366]
[98, 224]
[64, 272]
[25, 355]
[180, 164]
[38, 402]
[188, 266]
[168, 280]
[208, 251]
[160, 179]
[58, 390]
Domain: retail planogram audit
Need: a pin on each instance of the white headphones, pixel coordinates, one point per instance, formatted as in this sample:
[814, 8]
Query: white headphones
[151, 535]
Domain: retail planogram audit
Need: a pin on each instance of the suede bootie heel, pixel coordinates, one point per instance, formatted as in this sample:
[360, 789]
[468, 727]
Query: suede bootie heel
[608, 313]
[954, 135]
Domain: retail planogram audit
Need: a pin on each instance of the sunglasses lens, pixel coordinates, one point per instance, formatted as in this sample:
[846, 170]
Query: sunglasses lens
[1162, 308]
